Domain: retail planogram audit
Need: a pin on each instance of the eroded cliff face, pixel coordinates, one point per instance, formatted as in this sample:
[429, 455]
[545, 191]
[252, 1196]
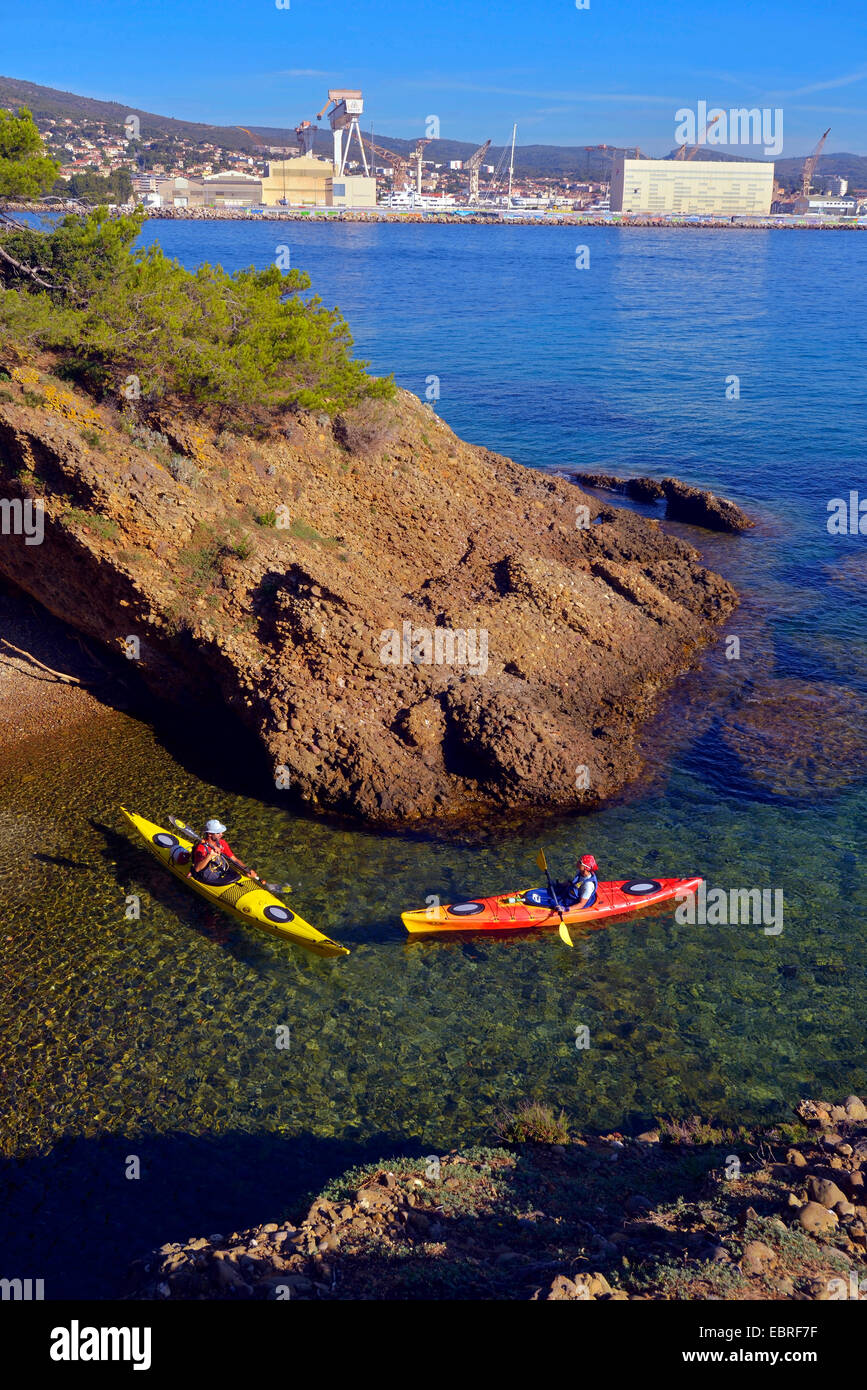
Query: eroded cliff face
[413, 627]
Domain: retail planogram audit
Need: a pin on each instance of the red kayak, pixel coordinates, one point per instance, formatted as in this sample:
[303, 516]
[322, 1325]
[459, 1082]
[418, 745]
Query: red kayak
[508, 911]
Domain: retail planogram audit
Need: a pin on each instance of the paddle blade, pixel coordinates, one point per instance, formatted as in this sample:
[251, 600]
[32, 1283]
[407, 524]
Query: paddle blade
[542, 861]
[563, 933]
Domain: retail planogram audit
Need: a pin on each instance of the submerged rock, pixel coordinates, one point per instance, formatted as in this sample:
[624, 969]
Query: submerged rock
[798, 738]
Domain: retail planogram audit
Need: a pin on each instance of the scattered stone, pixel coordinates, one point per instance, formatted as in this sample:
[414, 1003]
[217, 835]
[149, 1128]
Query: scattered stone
[816, 1219]
[329, 1257]
[563, 1289]
[826, 1193]
[756, 1257]
[637, 1205]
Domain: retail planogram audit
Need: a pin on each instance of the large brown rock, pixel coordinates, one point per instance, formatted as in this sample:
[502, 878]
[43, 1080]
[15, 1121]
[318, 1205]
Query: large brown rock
[816, 1220]
[412, 627]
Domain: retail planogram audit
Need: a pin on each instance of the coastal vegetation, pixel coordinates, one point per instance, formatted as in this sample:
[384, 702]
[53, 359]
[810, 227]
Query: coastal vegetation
[695, 1210]
[130, 322]
[25, 170]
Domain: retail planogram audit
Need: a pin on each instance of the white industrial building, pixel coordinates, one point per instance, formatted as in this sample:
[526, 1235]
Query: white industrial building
[660, 187]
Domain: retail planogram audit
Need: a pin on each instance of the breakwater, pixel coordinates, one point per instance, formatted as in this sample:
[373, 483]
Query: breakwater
[487, 219]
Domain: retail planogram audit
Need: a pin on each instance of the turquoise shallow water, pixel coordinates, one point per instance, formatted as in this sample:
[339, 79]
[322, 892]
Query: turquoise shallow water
[161, 1032]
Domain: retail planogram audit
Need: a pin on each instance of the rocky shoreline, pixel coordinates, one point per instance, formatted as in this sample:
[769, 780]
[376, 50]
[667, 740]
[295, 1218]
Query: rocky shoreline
[36, 702]
[414, 628]
[687, 1211]
[510, 219]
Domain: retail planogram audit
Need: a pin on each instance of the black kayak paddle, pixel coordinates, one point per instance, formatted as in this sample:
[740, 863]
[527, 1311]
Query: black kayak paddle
[563, 929]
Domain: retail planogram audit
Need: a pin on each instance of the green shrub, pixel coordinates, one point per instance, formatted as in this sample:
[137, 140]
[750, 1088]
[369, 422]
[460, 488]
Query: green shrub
[153, 442]
[183, 470]
[227, 442]
[304, 532]
[103, 526]
[91, 374]
[98, 525]
[693, 1130]
[93, 438]
[240, 343]
[204, 557]
[533, 1123]
[242, 548]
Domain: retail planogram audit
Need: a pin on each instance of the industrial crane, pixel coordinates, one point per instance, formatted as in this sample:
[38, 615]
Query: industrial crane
[257, 142]
[810, 165]
[305, 134]
[473, 165]
[415, 162]
[702, 140]
[498, 177]
[397, 161]
[344, 108]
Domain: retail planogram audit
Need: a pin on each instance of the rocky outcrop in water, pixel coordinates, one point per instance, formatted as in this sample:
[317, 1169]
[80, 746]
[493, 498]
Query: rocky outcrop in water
[693, 505]
[412, 626]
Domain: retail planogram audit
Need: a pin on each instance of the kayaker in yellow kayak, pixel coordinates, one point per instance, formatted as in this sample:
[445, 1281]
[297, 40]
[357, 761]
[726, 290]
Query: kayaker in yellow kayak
[212, 859]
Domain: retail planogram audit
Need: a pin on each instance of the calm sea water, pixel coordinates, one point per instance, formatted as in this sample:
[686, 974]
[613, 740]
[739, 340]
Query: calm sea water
[157, 1036]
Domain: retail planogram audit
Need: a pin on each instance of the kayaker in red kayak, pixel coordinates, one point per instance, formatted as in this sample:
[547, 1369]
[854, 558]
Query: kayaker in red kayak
[212, 859]
[579, 891]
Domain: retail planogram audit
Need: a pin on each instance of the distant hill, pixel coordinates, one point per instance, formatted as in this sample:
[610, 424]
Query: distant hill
[48, 104]
[542, 161]
[853, 167]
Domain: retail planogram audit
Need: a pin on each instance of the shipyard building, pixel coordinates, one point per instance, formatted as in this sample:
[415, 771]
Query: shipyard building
[660, 187]
[310, 182]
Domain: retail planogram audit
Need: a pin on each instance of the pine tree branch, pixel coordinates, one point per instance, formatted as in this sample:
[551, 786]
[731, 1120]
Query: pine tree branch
[26, 270]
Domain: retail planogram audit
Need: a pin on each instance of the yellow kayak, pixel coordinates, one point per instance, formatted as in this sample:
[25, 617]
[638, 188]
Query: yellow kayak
[246, 899]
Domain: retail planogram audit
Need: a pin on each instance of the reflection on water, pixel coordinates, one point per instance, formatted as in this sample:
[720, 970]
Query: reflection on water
[168, 1022]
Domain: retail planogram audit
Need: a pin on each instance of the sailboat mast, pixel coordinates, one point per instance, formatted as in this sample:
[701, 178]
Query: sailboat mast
[512, 161]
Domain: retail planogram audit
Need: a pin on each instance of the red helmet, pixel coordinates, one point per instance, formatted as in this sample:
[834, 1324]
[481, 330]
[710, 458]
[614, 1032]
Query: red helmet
[588, 862]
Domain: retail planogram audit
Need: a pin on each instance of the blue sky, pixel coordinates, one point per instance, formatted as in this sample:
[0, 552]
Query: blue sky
[615, 72]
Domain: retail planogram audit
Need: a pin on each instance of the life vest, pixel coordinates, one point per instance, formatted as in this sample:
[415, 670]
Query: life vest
[578, 884]
[214, 868]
